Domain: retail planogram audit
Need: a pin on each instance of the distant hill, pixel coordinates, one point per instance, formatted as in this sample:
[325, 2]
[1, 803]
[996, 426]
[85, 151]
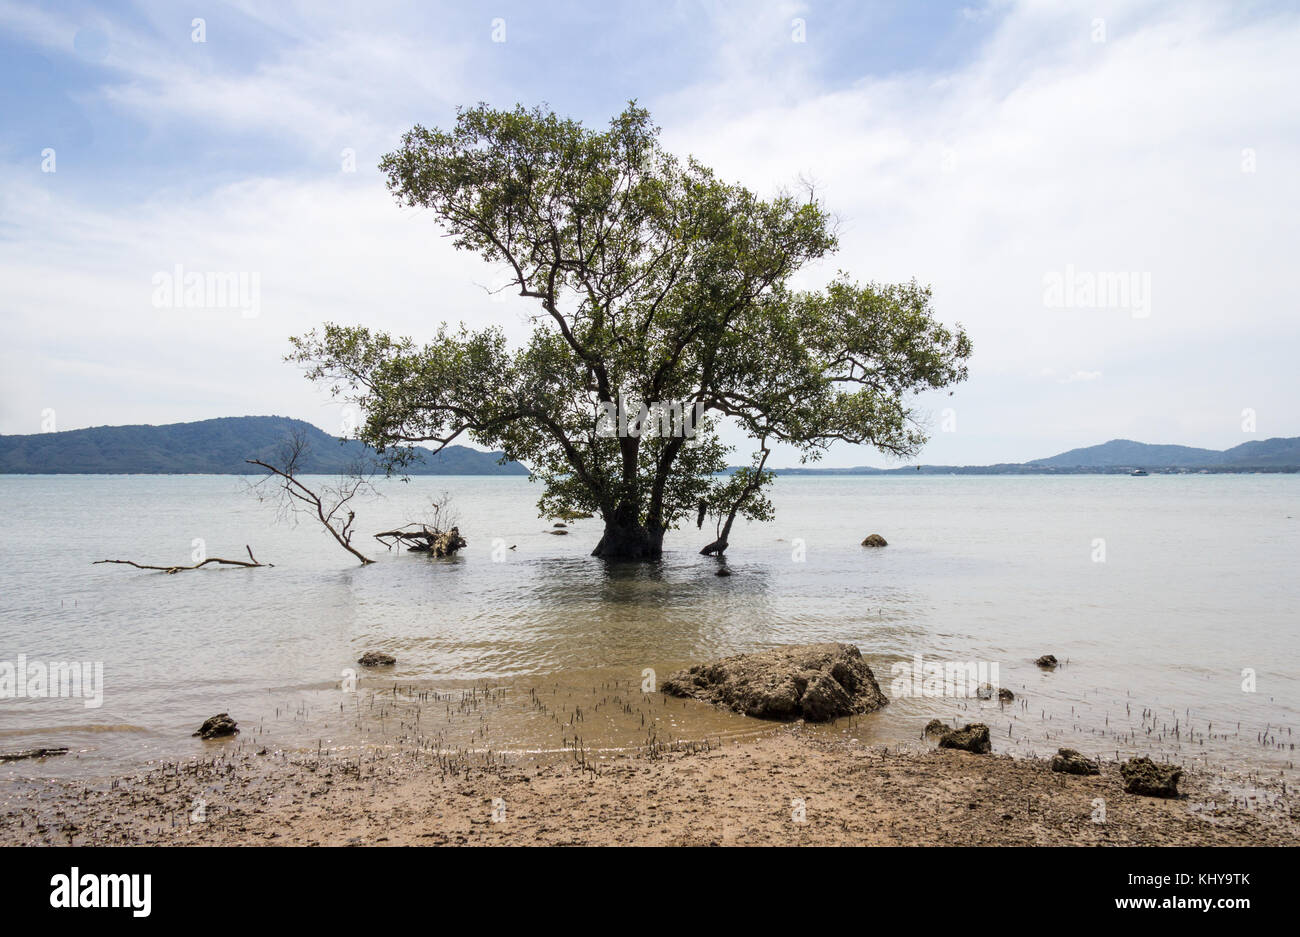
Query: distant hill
[1280, 454]
[1126, 452]
[215, 447]
[1266, 453]
[220, 446]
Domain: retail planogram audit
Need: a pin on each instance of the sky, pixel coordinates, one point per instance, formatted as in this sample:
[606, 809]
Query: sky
[1105, 195]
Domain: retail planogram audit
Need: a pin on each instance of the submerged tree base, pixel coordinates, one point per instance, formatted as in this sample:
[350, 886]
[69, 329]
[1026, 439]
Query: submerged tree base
[630, 543]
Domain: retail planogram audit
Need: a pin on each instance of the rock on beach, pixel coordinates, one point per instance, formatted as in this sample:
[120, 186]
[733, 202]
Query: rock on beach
[816, 682]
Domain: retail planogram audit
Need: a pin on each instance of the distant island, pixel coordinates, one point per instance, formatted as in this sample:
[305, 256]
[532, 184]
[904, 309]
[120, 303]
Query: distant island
[1119, 456]
[220, 446]
[216, 447]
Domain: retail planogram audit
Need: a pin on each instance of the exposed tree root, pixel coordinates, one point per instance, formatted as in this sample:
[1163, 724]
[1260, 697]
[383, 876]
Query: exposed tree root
[420, 538]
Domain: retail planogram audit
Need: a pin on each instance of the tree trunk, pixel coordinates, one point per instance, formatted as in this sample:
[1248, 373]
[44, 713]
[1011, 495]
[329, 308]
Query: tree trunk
[630, 542]
[717, 547]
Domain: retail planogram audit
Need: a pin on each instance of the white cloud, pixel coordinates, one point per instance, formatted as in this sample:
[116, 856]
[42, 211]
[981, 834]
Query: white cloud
[82, 334]
[331, 78]
[1047, 150]
[1043, 150]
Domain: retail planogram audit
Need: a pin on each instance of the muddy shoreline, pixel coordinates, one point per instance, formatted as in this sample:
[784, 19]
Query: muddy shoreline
[791, 787]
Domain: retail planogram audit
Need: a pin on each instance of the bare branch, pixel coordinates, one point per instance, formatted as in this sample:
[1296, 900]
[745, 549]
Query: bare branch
[171, 570]
[325, 505]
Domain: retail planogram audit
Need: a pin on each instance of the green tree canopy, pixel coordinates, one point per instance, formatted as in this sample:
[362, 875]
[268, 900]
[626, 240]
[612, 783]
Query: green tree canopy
[653, 282]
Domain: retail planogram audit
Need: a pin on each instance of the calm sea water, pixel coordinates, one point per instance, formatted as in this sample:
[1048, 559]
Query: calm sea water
[1197, 583]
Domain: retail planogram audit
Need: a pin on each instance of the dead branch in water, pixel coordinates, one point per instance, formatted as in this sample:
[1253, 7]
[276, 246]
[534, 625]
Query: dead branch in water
[438, 533]
[412, 539]
[31, 753]
[328, 506]
[170, 570]
[424, 539]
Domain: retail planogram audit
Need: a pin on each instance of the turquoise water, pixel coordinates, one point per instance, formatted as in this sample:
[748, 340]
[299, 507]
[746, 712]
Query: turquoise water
[1197, 584]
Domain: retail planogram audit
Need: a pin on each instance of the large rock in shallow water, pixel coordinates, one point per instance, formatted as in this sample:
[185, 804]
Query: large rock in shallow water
[817, 682]
[217, 727]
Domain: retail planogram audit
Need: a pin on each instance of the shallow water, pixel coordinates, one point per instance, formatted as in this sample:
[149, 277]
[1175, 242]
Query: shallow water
[1198, 583]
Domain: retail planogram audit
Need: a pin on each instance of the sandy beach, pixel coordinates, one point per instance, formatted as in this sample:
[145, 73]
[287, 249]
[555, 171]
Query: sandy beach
[792, 787]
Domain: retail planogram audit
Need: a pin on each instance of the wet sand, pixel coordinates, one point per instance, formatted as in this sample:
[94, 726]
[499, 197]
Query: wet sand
[746, 792]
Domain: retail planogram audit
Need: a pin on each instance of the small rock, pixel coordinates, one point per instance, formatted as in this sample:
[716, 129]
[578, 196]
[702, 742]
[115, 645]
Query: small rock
[969, 738]
[1144, 776]
[376, 659]
[1068, 761]
[875, 540]
[1048, 661]
[937, 727]
[557, 526]
[557, 533]
[988, 691]
[723, 572]
[218, 726]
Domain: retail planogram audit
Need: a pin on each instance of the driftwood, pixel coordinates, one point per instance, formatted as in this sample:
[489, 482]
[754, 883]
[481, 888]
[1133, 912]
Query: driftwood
[171, 570]
[32, 753]
[421, 538]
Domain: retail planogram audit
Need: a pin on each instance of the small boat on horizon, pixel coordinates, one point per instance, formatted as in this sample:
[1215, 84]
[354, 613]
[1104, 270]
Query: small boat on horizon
[1138, 472]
